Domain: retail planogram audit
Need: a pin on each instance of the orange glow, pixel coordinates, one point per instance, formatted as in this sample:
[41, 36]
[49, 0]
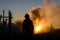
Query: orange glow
[40, 27]
[37, 29]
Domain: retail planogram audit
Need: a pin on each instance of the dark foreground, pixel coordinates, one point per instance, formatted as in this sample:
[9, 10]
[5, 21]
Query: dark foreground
[54, 35]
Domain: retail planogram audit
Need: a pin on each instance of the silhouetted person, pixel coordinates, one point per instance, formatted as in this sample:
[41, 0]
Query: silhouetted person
[28, 27]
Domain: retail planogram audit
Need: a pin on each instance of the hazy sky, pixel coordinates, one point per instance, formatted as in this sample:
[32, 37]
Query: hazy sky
[19, 7]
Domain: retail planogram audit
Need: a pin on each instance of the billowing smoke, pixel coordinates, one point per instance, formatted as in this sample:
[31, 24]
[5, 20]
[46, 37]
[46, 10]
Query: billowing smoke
[46, 15]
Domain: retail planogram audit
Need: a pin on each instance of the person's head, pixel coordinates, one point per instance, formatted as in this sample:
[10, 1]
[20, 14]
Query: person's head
[26, 15]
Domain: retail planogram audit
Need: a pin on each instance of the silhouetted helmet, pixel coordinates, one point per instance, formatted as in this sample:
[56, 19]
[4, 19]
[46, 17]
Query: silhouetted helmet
[26, 16]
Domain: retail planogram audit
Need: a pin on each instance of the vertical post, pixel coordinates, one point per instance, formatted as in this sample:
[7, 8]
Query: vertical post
[51, 28]
[3, 25]
[3, 21]
[9, 24]
[3, 17]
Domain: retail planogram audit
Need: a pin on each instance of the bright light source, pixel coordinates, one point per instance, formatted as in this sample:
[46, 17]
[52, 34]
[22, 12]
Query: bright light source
[38, 29]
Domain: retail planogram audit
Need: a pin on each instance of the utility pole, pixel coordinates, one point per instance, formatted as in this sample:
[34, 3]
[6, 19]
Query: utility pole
[9, 24]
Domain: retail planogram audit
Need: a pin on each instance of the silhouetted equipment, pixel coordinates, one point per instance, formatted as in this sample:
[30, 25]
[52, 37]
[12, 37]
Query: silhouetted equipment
[5, 21]
[28, 27]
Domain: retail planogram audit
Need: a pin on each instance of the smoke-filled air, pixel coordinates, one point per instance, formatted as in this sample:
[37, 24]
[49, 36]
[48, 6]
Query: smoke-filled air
[44, 16]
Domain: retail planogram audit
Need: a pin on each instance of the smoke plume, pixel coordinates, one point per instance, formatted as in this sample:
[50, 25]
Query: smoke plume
[46, 15]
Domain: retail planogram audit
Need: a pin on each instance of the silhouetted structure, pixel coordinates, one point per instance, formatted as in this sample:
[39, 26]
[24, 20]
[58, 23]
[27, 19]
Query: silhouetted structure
[5, 23]
[28, 27]
[9, 24]
[52, 28]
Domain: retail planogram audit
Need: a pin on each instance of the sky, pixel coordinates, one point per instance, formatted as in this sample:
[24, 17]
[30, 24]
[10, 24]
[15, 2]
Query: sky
[19, 7]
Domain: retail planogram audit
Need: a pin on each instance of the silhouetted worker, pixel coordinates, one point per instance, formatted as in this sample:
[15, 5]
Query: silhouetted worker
[28, 27]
